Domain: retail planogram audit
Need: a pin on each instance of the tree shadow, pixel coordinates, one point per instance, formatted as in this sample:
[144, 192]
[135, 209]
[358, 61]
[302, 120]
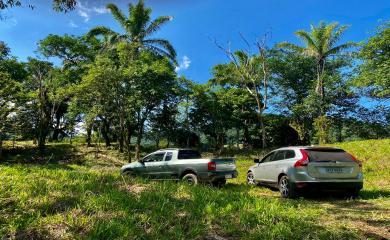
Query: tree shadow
[54, 156]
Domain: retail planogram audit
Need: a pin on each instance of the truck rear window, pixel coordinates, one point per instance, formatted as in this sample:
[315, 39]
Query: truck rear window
[324, 155]
[188, 154]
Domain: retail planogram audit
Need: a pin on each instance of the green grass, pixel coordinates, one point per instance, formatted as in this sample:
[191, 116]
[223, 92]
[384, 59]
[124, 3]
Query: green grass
[75, 195]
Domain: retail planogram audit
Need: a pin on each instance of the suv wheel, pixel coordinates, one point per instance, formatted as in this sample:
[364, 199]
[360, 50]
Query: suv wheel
[285, 188]
[190, 179]
[354, 193]
[250, 178]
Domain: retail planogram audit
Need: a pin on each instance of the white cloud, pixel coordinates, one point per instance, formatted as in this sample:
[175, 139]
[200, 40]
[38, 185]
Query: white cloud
[84, 15]
[100, 10]
[72, 24]
[86, 11]
[184, 64]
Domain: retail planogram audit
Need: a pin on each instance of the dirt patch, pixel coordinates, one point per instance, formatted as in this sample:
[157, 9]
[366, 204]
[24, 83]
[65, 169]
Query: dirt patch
[371, 231]
[135, 189]
[28, 234]
[58, 231]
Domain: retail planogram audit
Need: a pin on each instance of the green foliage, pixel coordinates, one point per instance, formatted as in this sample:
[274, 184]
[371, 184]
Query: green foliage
[321, 127]
[374, 72]
[58, 5]
[4, 50]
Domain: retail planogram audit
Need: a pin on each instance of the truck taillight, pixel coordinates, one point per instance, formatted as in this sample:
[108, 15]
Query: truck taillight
[211, 166]
[304, 160]
[355, 159]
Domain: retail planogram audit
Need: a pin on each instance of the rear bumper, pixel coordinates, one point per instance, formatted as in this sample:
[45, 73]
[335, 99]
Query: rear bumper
[328, 186]
[215, 176]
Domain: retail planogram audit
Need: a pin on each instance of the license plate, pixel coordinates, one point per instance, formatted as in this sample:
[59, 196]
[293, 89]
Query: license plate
[334, 170]
[228, 176]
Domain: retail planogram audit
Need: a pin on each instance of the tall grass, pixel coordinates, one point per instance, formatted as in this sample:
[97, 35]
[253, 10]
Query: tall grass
[87, 199]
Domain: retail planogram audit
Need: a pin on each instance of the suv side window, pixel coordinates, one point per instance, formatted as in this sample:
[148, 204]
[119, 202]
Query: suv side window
[157, 157]
[268, 158]
[168, 156]
[289, 154]
[279, 155]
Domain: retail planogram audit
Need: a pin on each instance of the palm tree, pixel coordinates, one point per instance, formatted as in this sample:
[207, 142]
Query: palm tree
[320, 43]
[138, 28]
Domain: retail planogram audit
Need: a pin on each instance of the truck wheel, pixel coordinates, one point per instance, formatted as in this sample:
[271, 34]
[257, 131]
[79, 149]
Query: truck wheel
[190, 179]
[128, 173]
[285, 188]
[219, 183]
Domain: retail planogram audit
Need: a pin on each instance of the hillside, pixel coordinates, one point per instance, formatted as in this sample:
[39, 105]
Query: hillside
[76, 194]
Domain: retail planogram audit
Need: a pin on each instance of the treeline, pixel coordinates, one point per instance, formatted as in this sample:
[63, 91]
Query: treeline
[122, 88]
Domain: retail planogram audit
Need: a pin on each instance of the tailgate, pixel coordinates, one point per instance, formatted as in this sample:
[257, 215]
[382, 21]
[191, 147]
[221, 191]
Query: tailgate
[224, 164]
[333, 169]
[331, 163]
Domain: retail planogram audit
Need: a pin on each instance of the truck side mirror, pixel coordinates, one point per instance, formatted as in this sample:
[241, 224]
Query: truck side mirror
[256, 160]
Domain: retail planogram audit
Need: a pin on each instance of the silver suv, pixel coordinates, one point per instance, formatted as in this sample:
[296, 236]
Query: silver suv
[295, 170]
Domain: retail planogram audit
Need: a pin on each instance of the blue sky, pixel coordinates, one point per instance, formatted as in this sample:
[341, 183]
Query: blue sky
[195, 23]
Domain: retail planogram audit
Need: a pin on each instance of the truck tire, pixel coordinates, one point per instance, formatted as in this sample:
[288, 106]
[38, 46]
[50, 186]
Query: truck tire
[128, 173]
[219, 183]
[190, 179]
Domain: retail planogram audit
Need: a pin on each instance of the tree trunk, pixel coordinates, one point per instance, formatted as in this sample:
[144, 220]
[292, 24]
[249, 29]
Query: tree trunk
[260, 118]
[89, 132]
[42, 140]
[105, 131]
[128, 142]
[122, 131]
[56, 130]
[320, 90]
[138, 146]
[263, 135]
[247, 140]
[139, 139]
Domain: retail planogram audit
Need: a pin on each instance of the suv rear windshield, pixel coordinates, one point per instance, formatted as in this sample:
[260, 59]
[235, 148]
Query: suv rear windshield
[188, 154]
[325, 155]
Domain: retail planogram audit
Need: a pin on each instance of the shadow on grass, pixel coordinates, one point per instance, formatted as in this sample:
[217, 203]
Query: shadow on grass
[374, 194]
[54, 154]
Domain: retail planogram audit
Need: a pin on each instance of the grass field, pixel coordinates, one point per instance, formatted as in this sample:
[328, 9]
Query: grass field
[74, 194]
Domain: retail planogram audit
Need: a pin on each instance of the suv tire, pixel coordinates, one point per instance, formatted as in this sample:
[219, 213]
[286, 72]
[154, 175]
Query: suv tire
[286, 189]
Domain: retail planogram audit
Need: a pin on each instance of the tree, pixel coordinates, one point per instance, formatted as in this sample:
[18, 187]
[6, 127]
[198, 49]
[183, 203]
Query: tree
[75, 53]
[9, 90]
[58, 5]
[250, 72]
[293, 77]
[4, 50]
[47, 89]
[138, 28]
[320, 43]
[374, 73]
[152, 83]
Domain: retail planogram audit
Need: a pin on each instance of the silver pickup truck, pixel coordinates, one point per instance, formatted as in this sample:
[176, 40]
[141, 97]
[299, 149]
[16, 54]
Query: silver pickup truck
[183, 164]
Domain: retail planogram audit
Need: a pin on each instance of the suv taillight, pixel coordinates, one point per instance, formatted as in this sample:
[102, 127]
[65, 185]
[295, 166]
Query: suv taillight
[304, 160]
[355, 159]
[211, 166]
